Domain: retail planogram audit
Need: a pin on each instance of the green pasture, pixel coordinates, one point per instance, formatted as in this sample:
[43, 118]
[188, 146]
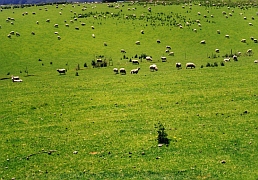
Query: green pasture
[101, 125]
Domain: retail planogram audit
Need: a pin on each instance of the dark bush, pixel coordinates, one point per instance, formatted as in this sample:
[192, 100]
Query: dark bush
[162, 135]
[215, 64]
[208, 65]
[222, 63]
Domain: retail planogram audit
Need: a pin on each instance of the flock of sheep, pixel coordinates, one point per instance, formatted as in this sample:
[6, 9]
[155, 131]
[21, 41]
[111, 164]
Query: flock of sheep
[152, 67]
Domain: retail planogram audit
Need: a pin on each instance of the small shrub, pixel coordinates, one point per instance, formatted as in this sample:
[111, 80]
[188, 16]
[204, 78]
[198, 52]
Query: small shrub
[208, 65]
[76, 74]
[85, 65]
[222, 63]
[215, 64]
[162, 135]
[201, 66]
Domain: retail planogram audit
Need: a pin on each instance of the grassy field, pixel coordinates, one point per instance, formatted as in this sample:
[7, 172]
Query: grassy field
[99, 125]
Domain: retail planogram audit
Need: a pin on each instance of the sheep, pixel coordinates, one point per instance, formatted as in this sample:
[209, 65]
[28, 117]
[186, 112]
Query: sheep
[83, 24]
[12, 32]
[105, 44]
[203, 42]
[56, 32]
[56, 25]
[153, 67]
[243, 40]
[148, 58]
[190, 65]
[76, 28]
[163, 59]
[61, 71]
[33, 33]
[58, 37]
[135, 61]
[135, 71]
[48, 20]
[226, 60]
[122, 71]
[115, 70]
[226, 36]
[235, 58]
[93, 35]
[250, 24]
[137, 43]
[92, 27]
[178, 65]
[122, 51]
[37, 22]
[194, 30]
[255, 40]
[217, 50]
[67, 25]
[255, 61]
[142, 31]
[168, 47]
[171, 54]
[218, 31]
[17, 34]
[9, 36]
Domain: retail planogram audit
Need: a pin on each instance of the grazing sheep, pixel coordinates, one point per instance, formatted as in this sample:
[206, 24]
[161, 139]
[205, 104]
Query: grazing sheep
[135, 61]
[227, 60]
[217, 50]
[105, 44]
[255, 61]
[33, 33]
[9, 36]
[137, 43]
[190, 65]
[37, 22]
[48, 20]
[122, 51]
[178, 65]
[148, 58]
[58, 37]
[255, 40]
[203, 42]
[17, 34]
[252, 38]
[61, 71]
[76, 28]
[115, 70]
[93, 35]
[226, 36]
[56, 32]
[56, 25]
[168, 47]
[83, 24]
[92, 27]
[194, 30]
[163, 59]
[153, 67]
[243, 40]
[218, 31]
[12, 32]
[171, 54]
[235, 58]
[67, 25]
[142, 31]
[135, 71]
[250, 24]
[122, 71]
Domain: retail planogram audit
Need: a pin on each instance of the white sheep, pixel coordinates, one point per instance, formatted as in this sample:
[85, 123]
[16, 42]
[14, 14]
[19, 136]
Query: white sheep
[115, 70]
[178, 65]
[122, 71]
[203, 42]
[93, 35]
[153, 67]
[135, 61]
[135, 71]
[243, 40]
[137, 43]
[190, 65]
[148, 58]
[255, 61]
[227, 60]
[217, 50]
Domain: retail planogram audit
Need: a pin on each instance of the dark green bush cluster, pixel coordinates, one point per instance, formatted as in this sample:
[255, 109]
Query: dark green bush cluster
[215, 64]
[162, 135]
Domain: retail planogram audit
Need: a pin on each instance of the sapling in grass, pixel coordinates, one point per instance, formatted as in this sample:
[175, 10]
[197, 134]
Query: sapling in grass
[162, 135]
